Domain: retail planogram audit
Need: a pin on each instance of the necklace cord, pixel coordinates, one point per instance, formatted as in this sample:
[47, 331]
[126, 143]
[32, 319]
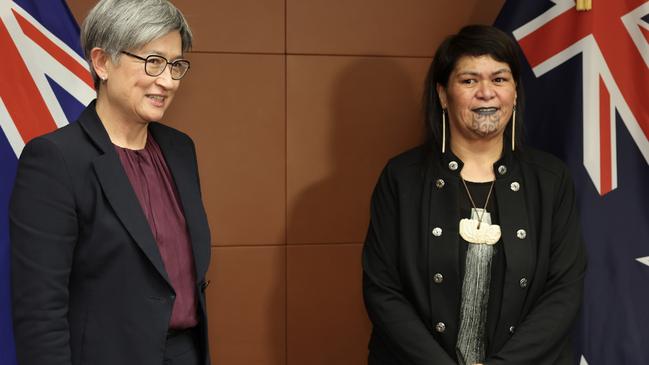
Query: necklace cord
[480, 216]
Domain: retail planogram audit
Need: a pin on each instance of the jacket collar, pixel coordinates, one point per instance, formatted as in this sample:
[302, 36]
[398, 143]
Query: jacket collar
[118, 189]
[180, 159]
[92, 125]
[453, 164]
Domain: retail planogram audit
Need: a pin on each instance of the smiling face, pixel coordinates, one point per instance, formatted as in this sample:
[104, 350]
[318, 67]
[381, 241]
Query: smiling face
[479, 98]
[134, 96]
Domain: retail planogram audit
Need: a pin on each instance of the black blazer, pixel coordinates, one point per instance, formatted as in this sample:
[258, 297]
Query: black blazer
[415, 318]
[88, 283]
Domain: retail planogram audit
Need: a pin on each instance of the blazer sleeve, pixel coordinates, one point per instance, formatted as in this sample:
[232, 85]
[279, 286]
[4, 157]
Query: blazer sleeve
[541, 336]
[387, 306]
[43, 234]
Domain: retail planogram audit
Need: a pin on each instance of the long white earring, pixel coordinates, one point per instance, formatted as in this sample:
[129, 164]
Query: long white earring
[514, 129]
[443, 131]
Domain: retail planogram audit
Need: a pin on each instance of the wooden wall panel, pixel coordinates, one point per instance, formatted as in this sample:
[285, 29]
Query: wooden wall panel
[247, 295]
[380, 27]
[80, 8]
[346, 116]
[326, 320]
[247, 26]
[232, 105]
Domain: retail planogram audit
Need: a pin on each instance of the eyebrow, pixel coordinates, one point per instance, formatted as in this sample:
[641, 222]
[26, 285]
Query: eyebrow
[158, 53]
[474, 73]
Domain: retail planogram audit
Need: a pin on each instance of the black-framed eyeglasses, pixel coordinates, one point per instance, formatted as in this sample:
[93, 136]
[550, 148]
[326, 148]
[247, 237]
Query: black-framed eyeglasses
[155, 65]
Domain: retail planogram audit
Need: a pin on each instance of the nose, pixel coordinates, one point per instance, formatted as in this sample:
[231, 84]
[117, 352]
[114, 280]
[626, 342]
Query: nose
[164, 79]
[485, 90]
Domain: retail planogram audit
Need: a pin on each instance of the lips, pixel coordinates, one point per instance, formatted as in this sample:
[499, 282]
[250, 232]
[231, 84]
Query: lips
[485, 110]
[158, 100]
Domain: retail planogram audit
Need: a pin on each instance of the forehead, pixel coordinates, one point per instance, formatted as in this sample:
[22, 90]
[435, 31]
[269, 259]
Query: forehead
[169, 44]
[479, 65]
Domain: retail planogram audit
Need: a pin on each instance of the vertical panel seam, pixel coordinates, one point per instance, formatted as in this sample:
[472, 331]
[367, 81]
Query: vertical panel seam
[285, 183]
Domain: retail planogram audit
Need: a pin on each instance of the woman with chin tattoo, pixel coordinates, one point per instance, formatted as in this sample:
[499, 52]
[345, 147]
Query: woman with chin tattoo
[110, 241]
[474, 253]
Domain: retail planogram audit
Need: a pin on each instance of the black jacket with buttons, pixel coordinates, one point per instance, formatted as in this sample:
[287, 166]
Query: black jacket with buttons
[413, 235]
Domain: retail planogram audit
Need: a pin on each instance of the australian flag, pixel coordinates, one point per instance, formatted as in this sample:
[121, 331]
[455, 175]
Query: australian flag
[44, 84]
[586, 75]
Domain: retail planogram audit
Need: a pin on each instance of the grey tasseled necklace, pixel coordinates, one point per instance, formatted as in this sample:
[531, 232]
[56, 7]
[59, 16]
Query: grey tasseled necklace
[471, 347]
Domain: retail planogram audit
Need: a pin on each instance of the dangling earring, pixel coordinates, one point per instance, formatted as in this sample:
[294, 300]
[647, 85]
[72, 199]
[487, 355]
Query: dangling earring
[514, 129]
[443, 131]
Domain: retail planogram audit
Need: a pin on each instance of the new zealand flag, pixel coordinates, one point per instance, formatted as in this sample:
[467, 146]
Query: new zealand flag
[586, 76]
[44, 84]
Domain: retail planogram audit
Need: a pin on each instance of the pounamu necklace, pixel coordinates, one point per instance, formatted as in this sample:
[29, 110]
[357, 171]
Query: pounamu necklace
[473, 229]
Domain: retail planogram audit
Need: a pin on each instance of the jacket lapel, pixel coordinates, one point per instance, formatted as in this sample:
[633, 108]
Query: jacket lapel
[118, 190]
[181, 161]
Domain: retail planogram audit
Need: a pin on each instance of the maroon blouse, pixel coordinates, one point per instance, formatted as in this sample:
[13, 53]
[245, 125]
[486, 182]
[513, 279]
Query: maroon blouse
[155, 189]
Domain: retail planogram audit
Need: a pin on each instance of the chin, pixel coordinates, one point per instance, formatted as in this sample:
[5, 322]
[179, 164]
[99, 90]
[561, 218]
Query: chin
[156, 118]
[487, 135]
[152, 115]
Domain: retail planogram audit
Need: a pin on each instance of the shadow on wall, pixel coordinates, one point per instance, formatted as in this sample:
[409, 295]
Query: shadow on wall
[374, 114]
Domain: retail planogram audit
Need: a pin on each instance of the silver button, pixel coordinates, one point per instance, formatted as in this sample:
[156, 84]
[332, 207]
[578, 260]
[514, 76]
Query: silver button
[439, 183]
[440, 327]
[438, 278]
[523, 283]
[521, 234]
[437, 231]
[502, 169]
[512, 329]
[515, 186]
[453, 165]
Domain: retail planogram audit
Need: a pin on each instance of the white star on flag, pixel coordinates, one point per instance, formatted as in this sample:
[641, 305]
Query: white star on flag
[644, 260]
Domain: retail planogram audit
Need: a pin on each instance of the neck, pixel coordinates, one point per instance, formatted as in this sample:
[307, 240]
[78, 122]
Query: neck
[121, 131]
[478, 157]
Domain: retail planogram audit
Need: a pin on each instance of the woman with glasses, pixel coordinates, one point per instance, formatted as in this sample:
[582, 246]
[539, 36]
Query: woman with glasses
[110, 241]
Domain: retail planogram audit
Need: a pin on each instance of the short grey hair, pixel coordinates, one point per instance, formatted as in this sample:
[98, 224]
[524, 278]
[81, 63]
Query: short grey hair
[120, 25]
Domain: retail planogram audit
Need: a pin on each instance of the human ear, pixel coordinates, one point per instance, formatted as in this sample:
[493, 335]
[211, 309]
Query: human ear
[100, 62]
[441, 92]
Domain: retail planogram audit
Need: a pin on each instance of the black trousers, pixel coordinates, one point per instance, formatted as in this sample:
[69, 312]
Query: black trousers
[182, 348]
